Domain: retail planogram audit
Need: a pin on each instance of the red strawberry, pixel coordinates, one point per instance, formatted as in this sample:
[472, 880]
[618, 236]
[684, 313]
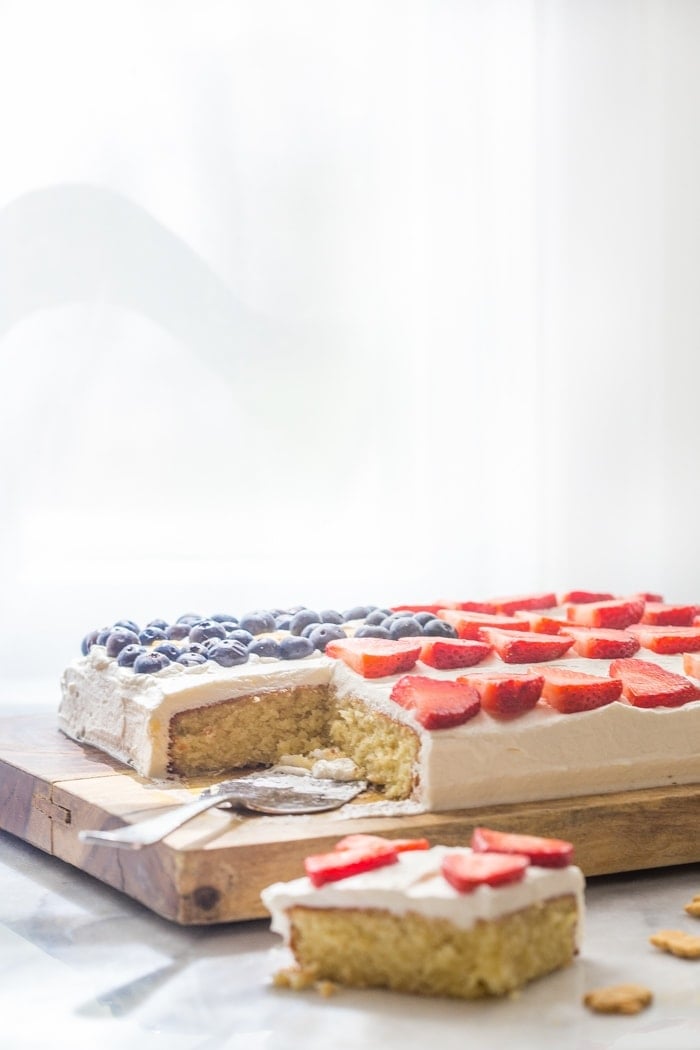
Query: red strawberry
[570, 691]
[648, 685]
[668, 640]
[510, 605]
[648, 597]
[469, 624]
[540, 623]
[359, 840]
[436, 703]
[544, 853]
[601, 643]
[478, 607]
[340, 864]
[662, 614]
[618, 613]
[376, 657]
[446, 653]
[506, 695]
[582, 597]
[518, 647]
[465, 871]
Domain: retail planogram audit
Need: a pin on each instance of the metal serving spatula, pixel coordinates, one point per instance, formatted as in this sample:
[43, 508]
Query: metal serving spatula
[273, 791]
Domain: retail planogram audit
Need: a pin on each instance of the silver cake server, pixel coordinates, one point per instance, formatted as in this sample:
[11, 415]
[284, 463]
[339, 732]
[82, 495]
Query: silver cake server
[272, 791]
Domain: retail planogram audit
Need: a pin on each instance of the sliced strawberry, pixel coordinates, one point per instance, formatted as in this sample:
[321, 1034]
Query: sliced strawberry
[446, 653]
[570, 691]
[691, 664]
[544, 853]
[469, 624]
[663, 615]
[583, 597]
[465, 871]
[376, 657]
[649, 597]
[540, 623]
[436, 703]
[667, 640]
[415, 607]
[648, 685]
[359, 840]
[618, 613]
[506, 695]
[516, 602]
[340, 864]
[477, 607]
[518, 647]
[601, 643]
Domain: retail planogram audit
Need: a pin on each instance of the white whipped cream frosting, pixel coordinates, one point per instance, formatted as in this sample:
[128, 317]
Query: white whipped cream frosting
[414, 884]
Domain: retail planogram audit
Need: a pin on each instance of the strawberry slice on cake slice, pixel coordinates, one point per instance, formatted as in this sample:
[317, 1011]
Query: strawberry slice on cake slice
[504, 695]
[584, 597]
[667, 640]
[359, 840]
[437, 703]
[469, 624]
[646, 684]
[601, 643]
[465, 871]
[569, 691]
[376, 657]
[526, 647]
[448, 653]
[519, 602]
[542, 852]
[341, 864]
[617, 612]
[541, 622]
[664, 614]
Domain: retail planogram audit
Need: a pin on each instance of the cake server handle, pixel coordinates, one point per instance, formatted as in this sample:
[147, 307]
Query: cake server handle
[154, 829]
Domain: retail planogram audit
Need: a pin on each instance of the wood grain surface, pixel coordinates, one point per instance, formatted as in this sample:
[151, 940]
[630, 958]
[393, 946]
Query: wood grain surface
[213, 869]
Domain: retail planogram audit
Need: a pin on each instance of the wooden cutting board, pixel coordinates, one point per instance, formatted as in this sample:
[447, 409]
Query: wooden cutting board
[214, 868]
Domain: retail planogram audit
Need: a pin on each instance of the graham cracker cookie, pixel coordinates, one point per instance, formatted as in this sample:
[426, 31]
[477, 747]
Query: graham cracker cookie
[677, 942]
[693, 906]
[618, 999]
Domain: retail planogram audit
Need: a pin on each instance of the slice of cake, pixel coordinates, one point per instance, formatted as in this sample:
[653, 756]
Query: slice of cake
[464, 922]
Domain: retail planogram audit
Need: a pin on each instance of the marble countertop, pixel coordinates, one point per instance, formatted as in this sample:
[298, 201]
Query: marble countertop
[83, 966]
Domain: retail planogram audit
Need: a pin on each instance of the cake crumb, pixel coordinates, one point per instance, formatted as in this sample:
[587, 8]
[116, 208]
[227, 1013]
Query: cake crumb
[693, 906]
[326, 988]
[295, 977]
[618, 999]
[677, 942]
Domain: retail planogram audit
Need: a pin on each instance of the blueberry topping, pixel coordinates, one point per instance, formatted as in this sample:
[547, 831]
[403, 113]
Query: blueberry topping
[228, 653]
[264, 647]
[309, 628]
[224, 618]
[177, 631]
[358, 612]
[129, 653]
[163, 624]
[129, 624]
[331, 616]
[199, 632]
[376, 617]
[171, 651]
[189, 659]
[257, 622]
[150, 663]
[325, 633]
[119, 638]
[295, 648]
[152, 634]
[439, 629]
[88, 641]
[372, 631]
[282, 621]
[302, 619]
[229, 625]
[244, 637]
[405, 627]
[197, 648]
[423, 617]
[190, 618]
[103, 636]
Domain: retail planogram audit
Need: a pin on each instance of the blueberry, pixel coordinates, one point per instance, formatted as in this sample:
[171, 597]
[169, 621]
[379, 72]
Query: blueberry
[325, 633]
[152, 634]
[119, 638]
[129, 653]
[190, 618]
[150, 663]
[376, 617]
[257, 622]
[372, 631]
[190, 659]
[129, 624]
[224, 618]
[358, 612]
[264, 647]
[239, 635]
[295, 648]
[163, 624]
[199, 632]
[88, 641]
[438, 629]
[405, 627]
[177, 631]
[228, 653]
[331, 616]
[197, 648]
[423, 617]
[171, 651]
[229, 625]
[302, 619]
[103, 636]
[282, 622]
[309, 628]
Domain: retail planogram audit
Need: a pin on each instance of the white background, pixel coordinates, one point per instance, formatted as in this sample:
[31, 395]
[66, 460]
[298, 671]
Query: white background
[333, 302]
